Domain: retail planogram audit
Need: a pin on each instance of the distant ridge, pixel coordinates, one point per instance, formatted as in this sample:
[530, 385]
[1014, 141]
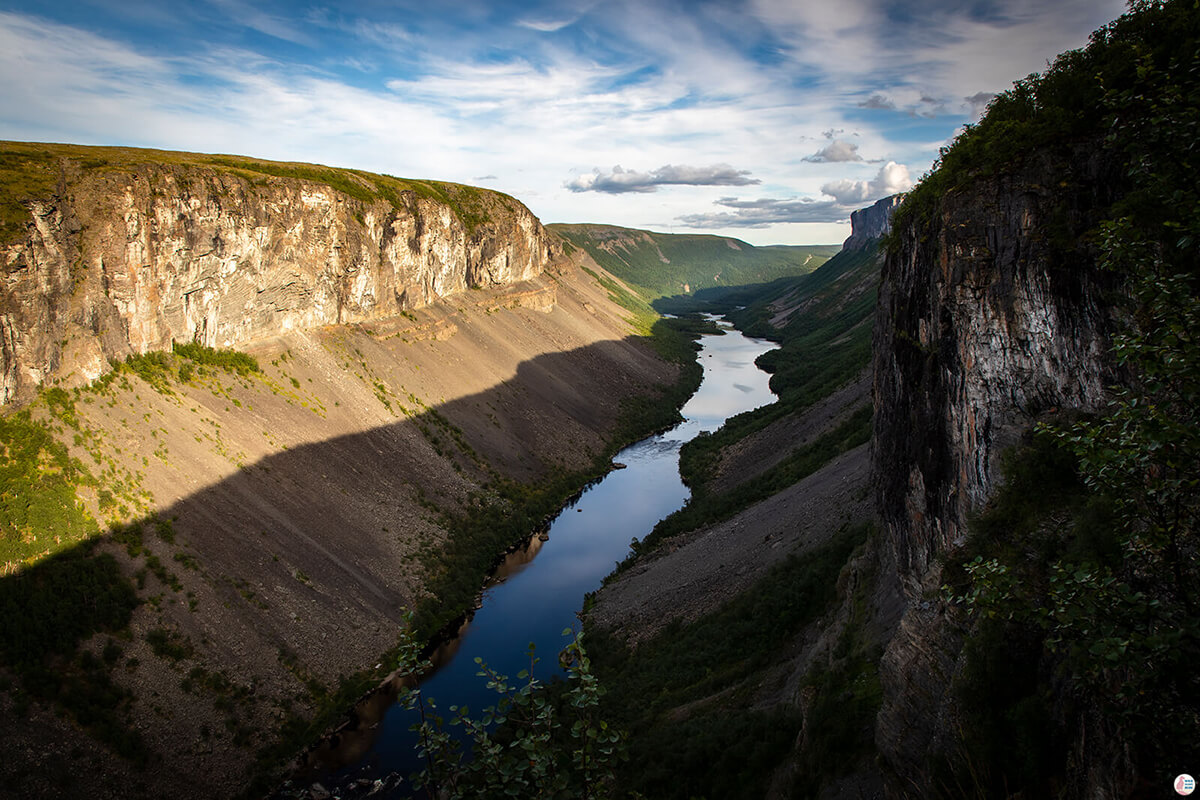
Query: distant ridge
[664, 264]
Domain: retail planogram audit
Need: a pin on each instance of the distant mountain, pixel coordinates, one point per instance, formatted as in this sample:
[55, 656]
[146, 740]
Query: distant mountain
[664, 264]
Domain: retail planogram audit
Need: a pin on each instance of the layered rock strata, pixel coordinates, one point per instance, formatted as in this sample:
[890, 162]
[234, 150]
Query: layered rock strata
[985, 321]
[128, 259]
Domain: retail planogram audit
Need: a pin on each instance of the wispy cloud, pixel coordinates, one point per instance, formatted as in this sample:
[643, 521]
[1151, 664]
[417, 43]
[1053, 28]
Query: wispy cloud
[620, 181]
[800, 96]
[246, 14]
[546, 25]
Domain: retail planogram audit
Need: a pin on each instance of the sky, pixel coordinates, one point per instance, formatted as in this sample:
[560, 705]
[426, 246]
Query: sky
[768, 120]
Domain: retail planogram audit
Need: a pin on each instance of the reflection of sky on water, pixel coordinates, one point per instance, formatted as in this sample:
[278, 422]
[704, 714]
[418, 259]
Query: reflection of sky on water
[741, 386]
[586, 540]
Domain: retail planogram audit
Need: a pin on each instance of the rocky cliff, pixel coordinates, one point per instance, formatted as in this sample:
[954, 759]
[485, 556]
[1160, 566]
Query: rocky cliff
[991, 313]
[127, 251]
[868, 224]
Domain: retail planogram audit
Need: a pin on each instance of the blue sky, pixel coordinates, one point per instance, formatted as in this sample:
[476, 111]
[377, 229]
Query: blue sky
[769, 120]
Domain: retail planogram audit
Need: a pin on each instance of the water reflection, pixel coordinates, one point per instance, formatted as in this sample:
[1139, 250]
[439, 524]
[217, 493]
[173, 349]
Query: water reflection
[532, 601]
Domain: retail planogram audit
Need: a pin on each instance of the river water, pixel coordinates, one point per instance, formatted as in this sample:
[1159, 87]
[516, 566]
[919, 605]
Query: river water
[540, 588]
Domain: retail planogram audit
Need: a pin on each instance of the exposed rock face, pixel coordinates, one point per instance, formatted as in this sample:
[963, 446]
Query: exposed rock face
[984, 323]
[131, 259]
[990, 313]
[868, 224]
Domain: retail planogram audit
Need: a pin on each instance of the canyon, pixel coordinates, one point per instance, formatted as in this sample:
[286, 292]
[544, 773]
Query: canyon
[864, 595]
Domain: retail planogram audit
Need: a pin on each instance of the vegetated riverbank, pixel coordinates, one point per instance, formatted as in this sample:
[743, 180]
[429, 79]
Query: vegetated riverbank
[740, 641]
[481, 539]
[544, 596]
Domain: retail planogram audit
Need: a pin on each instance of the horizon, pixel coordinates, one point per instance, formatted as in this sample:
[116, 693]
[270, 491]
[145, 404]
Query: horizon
[768, 121]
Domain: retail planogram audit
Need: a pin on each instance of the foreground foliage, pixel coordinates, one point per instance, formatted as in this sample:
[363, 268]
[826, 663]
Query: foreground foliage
[538, 741]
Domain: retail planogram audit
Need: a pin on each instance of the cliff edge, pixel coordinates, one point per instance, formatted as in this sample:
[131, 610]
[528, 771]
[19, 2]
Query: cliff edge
[125, 251]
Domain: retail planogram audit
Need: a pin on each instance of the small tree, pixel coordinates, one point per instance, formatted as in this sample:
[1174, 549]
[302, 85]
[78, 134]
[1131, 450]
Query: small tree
[537, 741]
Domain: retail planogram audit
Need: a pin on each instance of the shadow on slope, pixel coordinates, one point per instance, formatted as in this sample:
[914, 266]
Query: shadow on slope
[256, 596]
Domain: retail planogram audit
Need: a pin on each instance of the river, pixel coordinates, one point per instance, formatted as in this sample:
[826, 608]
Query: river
[537, 593]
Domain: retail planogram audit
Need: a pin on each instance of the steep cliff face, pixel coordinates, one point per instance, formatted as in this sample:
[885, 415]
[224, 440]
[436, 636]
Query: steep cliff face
[987, 318]
[131, 255]
[868, 224]
[991, 312]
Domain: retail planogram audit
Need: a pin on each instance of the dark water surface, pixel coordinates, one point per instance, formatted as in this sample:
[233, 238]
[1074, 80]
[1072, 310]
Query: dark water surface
[541, 587]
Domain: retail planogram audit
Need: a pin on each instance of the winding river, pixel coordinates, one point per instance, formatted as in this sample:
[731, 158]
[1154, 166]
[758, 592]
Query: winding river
[539, 589]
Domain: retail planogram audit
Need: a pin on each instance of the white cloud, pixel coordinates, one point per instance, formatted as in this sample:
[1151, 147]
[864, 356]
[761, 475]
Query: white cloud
[546, 25]
[620, 181]
[837, 150]
[767, 211]
[847, 196]
[892, 178]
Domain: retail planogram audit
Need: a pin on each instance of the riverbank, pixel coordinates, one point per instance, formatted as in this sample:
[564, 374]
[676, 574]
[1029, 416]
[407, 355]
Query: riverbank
[543, 597]
[739, 642]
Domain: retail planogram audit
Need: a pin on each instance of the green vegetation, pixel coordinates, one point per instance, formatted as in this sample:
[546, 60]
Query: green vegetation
[825, 342]
[24, 176]
[839, 722]
[39, 511]
[537, 741]
[662, 264]
[683, 694]
[228, 360]
[160, 369]
[1076, 101]
[1012, 739]
[704, 508]
[643, 315]
[470, 204]
[30, 170]
[1089, 558]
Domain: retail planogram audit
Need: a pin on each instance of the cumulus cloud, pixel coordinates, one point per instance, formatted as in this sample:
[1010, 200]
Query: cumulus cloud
[892, 178]
[620, 181]
[837, 150]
